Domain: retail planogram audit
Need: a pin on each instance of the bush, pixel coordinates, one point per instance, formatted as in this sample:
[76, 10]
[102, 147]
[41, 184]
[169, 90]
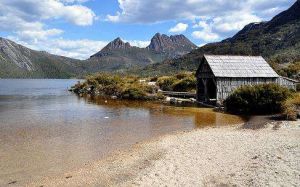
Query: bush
[106, 79]
[126, 87]
[291, 107]
[257, 99]
[185, 85]
[291, 71]
[182, 82]
[182, 75]
[166, 83]
[134, 93]
[111, 90]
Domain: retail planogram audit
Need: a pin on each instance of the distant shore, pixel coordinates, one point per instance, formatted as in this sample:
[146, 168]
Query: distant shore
[204, 157]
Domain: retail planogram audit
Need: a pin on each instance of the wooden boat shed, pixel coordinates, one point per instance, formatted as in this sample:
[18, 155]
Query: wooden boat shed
[219, 75]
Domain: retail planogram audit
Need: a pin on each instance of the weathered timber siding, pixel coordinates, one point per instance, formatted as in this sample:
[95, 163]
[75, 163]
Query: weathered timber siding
[204, 70]
[225, 86]
[286, 83]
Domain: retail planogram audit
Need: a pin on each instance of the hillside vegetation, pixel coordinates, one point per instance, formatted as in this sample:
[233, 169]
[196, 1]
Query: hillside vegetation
[134, 87]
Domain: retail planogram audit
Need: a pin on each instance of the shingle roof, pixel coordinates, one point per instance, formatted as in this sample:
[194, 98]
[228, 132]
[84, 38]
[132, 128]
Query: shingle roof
[239, 66]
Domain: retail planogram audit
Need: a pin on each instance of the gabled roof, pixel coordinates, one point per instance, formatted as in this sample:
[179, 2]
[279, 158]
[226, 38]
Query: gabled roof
[239, 66]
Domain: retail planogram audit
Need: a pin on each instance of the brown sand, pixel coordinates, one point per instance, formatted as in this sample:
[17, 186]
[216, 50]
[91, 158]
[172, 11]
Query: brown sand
[225, 156]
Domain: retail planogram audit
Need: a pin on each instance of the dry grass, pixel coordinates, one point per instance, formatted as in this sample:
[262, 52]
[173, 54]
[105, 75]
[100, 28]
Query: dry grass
[291, 107]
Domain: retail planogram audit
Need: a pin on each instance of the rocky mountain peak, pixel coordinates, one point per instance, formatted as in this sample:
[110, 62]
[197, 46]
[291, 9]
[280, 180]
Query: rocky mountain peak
[162, 42]
[167, 46]
[182, 40]
[116, 44]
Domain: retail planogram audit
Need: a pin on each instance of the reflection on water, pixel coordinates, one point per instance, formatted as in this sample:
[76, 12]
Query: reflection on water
[203, 117]
[45, 130]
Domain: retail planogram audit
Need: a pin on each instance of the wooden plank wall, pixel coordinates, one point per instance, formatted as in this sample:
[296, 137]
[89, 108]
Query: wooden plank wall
[286, 83]
[225, 86]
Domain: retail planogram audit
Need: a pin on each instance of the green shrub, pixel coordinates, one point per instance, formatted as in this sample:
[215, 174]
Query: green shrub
[291, 107]
[166, 82]
[111, 90]
[257, 99]
[291, 70]
[182, 75]
[150, 89]
[106, 79]
[134, 93]
[185, 85]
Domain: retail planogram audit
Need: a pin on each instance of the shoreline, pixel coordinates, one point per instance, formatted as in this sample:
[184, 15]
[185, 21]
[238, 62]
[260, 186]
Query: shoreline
[203, 157]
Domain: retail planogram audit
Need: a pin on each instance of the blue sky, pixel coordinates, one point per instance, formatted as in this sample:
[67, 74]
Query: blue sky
[80, 28]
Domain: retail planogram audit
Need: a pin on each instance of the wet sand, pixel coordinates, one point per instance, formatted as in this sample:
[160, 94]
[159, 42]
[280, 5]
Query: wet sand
[224, 156]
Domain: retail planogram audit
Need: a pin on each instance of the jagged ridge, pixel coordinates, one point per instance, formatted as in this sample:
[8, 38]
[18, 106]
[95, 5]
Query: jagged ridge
[162, 43]
[121, 56]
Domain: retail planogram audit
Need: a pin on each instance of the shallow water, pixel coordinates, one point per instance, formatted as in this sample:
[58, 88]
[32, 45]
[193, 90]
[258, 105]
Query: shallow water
[45, 130]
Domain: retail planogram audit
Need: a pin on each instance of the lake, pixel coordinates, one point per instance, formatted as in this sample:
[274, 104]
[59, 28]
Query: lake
[46, 130]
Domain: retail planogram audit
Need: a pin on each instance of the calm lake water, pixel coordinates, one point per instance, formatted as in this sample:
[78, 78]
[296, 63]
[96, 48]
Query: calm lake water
[46, 130]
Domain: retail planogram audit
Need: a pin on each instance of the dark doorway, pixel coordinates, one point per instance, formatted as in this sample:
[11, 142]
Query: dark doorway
[211, 89]
[200, 90]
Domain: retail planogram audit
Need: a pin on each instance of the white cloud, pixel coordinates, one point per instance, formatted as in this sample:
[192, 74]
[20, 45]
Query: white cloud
[38, 34]
[234, 21]
[79, 15]
[206, 33]
[139, 11]
[138, 43]
[202, 24]
[115, 18]
[79, 49]
[206, 36]
[29, 11]
[74, 1]
[179, 28]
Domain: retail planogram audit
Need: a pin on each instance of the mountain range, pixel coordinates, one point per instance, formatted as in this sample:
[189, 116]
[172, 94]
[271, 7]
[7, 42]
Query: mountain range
[277, 40]
[120, 56]
[17, 61]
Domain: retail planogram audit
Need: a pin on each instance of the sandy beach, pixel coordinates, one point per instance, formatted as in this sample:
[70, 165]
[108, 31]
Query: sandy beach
[225, 156]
